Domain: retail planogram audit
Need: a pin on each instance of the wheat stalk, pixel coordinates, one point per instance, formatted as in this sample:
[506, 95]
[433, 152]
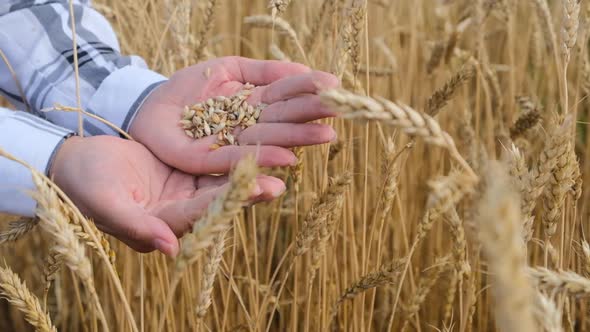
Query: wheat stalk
[446, 192]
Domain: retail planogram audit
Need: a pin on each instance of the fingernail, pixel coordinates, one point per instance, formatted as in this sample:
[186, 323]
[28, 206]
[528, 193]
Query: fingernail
[334, 136]
[295, 161]
[164, 247]
[257, 191]
[279, 192]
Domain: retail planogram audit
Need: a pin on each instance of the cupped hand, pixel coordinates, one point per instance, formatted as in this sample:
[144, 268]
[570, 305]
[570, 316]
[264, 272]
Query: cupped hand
[289, 90]
[135, 197]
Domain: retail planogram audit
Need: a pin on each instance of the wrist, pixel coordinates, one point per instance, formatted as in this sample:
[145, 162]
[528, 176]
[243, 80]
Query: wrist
[62, 154]
[139, 119]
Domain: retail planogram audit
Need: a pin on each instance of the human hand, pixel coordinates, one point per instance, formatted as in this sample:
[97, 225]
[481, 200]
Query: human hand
[289, 90]
[135, 197]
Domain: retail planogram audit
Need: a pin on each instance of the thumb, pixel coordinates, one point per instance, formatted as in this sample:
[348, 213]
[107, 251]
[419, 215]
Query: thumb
[161, 237]
[143, 232]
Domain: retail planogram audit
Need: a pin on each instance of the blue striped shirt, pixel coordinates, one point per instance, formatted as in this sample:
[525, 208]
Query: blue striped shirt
[36, 38]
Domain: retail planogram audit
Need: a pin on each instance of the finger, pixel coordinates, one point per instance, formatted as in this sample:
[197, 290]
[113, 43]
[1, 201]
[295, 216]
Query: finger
[180, 214]
[263, 72]
[224, 158]
[287, 134]
[289, 87]
[142, 231]
[272, 188]
[211, 181]
[300, 109]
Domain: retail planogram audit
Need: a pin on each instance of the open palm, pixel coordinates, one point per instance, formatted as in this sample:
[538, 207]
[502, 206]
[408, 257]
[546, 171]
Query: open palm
[289, 90]
[134, 196]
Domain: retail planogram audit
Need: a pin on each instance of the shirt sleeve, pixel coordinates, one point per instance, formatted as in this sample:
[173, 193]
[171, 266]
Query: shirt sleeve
[36, 38]
[33, 140]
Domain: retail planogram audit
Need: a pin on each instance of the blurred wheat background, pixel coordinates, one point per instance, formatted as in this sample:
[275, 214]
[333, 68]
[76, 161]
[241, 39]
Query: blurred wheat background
[458, 208]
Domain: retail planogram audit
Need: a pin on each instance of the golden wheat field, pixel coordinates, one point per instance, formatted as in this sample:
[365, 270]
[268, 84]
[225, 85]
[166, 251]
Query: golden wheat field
[453, 200]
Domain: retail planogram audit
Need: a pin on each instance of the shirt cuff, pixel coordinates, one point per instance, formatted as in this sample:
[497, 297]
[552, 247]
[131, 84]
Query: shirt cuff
[122, 94]
[34, 141]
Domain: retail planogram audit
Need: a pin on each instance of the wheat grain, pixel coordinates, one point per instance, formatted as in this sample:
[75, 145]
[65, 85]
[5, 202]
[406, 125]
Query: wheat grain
[220, 116]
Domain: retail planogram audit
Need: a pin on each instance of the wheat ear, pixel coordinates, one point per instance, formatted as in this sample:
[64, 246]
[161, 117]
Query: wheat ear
[386, 275]
[67, 245]
[206, 27]
[501, 238]
[17, 229]
[209, 272]
[16, 292]
[353, 31]
[410, 121]
[547, 314]
[569, 30]
[567, 282]
[282, 27]
[319, 213]
[89, 229]
[278, 7]
[427, 281]
[443, 95]
[215, 222]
